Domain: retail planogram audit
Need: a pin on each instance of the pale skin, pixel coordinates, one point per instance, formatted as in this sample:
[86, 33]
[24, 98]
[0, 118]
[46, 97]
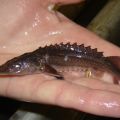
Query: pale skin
[24, 26]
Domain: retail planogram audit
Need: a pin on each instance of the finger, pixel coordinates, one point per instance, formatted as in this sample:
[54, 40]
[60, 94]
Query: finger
[97, 84]
[62, 93]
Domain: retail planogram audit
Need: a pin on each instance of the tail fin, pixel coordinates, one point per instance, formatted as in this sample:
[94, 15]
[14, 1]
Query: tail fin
[115, 61]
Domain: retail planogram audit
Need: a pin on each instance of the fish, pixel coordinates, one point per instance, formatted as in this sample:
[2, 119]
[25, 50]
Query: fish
[55, 60]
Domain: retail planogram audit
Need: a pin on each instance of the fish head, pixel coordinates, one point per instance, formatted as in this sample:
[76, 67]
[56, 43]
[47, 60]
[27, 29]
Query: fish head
[18, 66]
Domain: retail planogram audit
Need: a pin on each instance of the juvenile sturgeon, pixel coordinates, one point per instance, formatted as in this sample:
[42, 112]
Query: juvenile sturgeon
[56, 59]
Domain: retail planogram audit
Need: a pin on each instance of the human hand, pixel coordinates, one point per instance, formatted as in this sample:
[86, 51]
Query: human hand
[26, 25]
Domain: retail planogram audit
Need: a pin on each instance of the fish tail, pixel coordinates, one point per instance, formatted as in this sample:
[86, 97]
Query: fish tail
[115, 61]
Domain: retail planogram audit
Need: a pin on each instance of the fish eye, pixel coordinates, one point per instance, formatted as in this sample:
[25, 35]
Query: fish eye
[15, 68]
[17, 65]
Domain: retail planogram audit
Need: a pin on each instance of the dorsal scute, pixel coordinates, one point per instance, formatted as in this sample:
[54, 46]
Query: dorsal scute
[74, 48]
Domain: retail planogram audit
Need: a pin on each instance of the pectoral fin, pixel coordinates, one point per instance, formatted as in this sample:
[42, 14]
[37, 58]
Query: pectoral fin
[53, 72]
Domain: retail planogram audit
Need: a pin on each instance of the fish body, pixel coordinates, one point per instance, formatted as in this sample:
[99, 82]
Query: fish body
[60, 58]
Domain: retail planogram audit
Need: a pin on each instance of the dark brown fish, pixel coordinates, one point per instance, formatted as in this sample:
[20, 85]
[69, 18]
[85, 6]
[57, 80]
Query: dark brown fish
[59, 58]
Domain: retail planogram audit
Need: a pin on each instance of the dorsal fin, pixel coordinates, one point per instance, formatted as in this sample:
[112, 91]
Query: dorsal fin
[78, 49]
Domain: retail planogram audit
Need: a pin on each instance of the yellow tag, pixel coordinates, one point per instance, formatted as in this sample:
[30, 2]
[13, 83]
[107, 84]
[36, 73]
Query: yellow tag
[88, 73]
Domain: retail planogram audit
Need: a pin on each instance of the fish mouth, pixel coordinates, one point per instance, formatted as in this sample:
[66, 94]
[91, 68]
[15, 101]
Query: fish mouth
[5, 71]
[8, 74]
[5, 74]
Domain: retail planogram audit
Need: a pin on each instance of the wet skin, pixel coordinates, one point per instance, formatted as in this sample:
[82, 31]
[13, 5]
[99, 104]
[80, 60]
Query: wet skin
[26, 25]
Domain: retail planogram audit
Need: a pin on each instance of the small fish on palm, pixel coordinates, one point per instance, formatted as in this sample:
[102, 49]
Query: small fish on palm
[56, 59]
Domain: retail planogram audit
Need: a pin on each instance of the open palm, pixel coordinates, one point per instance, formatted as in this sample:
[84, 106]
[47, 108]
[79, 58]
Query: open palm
[26, 25]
